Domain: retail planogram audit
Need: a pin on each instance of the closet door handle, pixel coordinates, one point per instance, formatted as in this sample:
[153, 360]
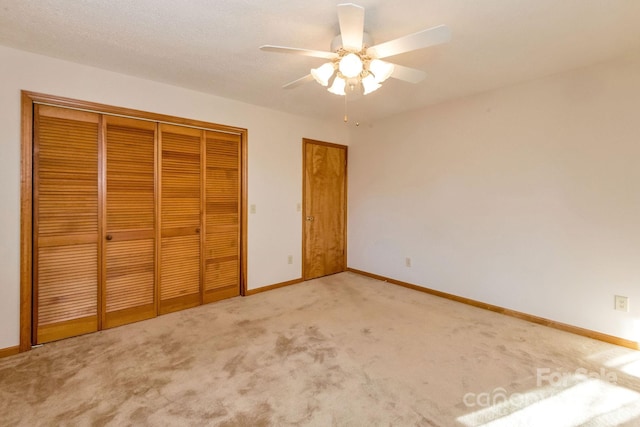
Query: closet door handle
[198, 230]
[109, 237]
[309, 218]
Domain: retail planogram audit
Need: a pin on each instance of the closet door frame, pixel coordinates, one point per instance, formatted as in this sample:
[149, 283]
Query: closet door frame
[28, 100]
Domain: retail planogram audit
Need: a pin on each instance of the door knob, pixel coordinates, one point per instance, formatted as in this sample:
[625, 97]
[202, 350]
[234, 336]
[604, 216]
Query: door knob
[109, 237]
[309, 218]
[198, 230]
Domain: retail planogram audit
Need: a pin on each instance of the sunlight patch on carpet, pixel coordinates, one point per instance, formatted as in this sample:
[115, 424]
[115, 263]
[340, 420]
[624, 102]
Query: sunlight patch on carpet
[583, 401]
[627, 362]
[619, 359]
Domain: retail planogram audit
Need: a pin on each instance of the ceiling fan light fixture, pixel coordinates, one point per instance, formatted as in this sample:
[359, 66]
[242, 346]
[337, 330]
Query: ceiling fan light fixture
[369, 84]
[338, 86]
[350, 65]
[353, 65]
[323, 73]
[381, 70]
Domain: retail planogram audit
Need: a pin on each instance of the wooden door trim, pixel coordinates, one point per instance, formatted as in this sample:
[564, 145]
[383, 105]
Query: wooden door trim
[158, 218]
[27, 101]
[59, 101]
[244, 192]
[35, 241]
[203, 212]
[26, 222]
[305, 142]
[102, 222]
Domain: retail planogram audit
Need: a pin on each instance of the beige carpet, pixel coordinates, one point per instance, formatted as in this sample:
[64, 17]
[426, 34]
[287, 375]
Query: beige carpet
[344, 350]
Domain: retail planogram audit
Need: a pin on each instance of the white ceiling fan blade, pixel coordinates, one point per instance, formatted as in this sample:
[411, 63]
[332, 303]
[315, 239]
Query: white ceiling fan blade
[297, 51]
[351, 18]
[300, 81]
[421, 39]
[407, 74]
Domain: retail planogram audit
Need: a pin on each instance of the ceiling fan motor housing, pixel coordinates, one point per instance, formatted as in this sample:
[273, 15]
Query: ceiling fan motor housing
[336, 43]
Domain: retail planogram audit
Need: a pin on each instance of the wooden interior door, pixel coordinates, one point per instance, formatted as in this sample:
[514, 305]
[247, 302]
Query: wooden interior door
[325, 201]
[222, 216]
[66, 218]
[180, 217]
[129, 255]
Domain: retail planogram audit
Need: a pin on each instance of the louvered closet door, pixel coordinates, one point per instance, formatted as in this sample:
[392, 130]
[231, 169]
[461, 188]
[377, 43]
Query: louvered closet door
[66, 223]
[180, 217]
[129, 255]
[222, 214]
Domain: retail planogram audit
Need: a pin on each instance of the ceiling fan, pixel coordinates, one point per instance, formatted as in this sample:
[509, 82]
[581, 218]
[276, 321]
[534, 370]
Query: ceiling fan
[354, 64]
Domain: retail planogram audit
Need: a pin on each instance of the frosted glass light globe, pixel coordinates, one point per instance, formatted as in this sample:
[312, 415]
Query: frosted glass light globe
[323, 73]
[338, 86]
[350, 65]
[369, 84]
[381, 70]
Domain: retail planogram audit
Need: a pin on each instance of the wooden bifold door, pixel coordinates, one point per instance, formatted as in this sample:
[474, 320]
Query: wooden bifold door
[131, 219]
[180, 219]
[66, 223]
[130, 216]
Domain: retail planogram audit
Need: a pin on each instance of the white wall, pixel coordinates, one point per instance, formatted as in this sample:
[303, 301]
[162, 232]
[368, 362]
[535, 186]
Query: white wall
[275, 161]
[527, 197]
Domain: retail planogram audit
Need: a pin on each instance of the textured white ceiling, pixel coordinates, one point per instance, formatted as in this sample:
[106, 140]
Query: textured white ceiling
[212, 45]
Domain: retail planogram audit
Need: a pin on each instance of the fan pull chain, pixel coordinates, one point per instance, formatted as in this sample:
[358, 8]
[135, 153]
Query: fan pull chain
[346, 117]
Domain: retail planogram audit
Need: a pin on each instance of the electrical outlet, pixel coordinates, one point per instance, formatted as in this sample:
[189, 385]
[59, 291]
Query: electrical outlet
[290, 259]
[407, 262]
[621, 303]
[299, 207]
[252, 209]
